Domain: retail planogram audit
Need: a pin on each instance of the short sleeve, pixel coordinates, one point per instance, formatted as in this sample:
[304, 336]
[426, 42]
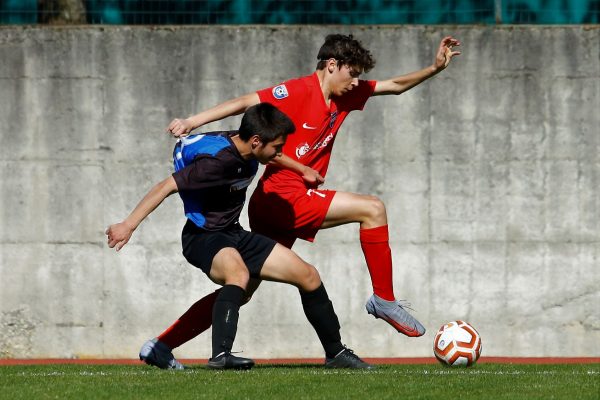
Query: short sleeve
[206, 171]
[357, 97]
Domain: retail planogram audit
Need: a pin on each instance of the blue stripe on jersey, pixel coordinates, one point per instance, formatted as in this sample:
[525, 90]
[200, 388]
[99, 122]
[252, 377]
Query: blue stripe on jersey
[189, 147]
[186, 150]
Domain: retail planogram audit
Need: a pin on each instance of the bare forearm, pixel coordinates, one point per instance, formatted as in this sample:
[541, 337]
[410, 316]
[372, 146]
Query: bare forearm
[153, 199]
[119, 234]
[309, 175]
[286, 162]
[229, 108]
[401, 84]
[182, 127]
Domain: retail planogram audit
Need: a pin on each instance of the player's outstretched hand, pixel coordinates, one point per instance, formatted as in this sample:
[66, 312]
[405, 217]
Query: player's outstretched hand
[445, 52]
[180, 127]
[312, 177]
[118, 235]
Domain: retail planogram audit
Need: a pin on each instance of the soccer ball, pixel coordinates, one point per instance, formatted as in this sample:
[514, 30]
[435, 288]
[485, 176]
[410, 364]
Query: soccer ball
[457, 344]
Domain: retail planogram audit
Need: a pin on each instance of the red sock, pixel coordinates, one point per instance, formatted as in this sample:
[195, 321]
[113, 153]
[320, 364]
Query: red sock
[376, 248]
[192, 323]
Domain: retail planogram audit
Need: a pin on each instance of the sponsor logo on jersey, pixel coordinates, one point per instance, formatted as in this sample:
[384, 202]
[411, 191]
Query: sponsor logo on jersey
[241, 184]
[325, 142]
[302, 149]
[306, 126]
[280, 92]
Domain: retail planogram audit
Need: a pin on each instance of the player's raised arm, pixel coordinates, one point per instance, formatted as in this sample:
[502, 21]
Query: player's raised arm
[182, 127]
[120, 233]
[401, 84]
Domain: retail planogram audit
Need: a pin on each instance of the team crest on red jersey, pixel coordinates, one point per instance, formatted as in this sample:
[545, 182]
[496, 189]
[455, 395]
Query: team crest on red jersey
[280, 92]
[302, 149]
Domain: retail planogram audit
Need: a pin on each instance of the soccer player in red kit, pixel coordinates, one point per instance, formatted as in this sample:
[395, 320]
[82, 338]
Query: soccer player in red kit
[287, 203]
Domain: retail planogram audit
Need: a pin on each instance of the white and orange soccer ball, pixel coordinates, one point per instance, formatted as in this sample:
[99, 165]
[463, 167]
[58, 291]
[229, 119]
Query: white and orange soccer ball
[457, 344]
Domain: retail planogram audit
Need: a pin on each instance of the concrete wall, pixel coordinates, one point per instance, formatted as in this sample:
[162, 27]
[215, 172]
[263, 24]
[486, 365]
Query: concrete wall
[490, 173]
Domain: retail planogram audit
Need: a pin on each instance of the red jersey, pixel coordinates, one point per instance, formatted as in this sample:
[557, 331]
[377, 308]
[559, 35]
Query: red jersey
[317, 124]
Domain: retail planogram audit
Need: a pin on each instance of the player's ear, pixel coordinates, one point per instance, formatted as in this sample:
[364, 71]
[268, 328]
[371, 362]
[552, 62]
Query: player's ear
[331, 64]
[255, 142]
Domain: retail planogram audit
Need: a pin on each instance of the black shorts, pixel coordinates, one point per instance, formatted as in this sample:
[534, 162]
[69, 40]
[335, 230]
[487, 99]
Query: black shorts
[200, 246]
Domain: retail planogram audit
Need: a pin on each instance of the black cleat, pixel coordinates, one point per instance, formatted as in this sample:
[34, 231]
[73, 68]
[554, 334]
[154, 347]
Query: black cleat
[154, 352]
[227, 360]
[347, 359]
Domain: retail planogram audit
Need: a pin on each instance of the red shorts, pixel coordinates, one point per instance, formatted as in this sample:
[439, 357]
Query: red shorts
[286, 215]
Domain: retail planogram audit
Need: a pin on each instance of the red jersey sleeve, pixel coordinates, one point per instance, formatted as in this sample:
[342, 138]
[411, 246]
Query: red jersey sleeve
[285, 95]
[267, 95]
[289, 97]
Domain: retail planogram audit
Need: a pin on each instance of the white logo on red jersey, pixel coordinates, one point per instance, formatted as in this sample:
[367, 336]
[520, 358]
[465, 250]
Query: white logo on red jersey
[302, 149]
[311, 191]
[324, 143]
[306, 126]
[280, 92]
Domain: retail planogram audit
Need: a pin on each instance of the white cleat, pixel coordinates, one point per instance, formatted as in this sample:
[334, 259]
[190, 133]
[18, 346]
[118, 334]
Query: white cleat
[394, 314]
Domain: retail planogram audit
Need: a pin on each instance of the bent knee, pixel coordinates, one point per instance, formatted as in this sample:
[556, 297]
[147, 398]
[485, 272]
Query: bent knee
[228, 268]
[311, 279]
[375, 209]
[240, 277]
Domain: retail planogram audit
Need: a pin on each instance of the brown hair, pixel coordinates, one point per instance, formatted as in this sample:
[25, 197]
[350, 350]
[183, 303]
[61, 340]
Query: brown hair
[347, 51]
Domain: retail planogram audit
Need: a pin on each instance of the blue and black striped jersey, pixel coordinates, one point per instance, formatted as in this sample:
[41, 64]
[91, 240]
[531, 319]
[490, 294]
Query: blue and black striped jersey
[212, 179]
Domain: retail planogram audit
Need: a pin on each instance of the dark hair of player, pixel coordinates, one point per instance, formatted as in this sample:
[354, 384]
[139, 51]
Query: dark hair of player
[347, 51]
[266, 121]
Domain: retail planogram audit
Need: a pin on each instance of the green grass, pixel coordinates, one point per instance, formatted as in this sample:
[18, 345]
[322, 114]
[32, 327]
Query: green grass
[484, 381]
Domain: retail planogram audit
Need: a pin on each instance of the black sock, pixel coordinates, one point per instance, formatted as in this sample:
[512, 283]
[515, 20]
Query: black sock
[320, 313]
[225, 318]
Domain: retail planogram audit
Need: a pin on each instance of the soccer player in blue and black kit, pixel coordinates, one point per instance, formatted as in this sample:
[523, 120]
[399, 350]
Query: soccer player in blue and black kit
[212, 173]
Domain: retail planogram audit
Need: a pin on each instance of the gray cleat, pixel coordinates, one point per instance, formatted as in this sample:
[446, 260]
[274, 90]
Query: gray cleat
[394, 314]
[154, 352]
